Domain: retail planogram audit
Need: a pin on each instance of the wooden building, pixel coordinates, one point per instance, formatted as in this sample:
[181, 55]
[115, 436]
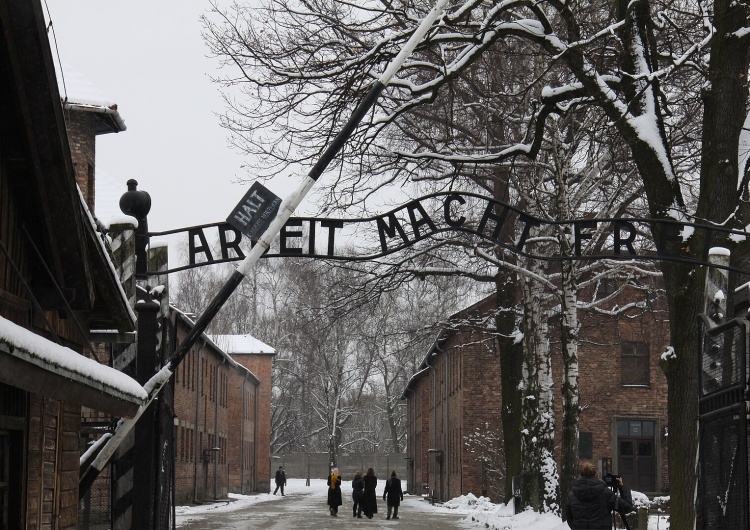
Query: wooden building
[56, 284]
[456, 394]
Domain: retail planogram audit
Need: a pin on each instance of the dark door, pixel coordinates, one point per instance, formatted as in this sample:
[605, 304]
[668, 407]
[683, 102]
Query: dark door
[4, 457]
[636, 461]
[11, 476]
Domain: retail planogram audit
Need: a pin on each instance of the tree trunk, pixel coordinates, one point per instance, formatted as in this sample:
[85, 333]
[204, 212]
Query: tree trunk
[511, 361]
[539, 478]
[570, 389]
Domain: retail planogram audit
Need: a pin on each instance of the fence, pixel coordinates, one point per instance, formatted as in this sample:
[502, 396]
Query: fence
[316, 465]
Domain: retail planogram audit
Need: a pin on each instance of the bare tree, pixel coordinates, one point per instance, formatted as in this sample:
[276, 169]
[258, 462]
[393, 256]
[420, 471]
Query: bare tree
[659, 71]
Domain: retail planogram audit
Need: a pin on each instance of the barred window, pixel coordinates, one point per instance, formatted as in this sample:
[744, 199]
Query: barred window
[585, 445]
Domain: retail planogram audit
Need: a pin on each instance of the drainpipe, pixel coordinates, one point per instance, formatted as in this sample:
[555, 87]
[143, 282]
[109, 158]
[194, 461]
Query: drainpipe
[198, 455]
[255, 437]
[217, 394]
[243, 456]
[446, 434]
[434, 417]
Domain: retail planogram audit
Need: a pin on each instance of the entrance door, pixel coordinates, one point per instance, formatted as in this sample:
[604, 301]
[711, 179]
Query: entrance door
[4, 479]
[636, 454]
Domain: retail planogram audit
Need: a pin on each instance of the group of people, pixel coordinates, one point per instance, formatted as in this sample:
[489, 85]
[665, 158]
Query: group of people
[363, 494]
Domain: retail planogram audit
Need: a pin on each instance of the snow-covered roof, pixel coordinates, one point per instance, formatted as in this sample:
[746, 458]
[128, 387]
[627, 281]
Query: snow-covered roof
[79, 94]
[56, 371]
[242, 344]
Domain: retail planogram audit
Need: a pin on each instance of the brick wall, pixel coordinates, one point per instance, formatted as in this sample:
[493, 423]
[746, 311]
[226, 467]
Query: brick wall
[470, 356]
[202, 422]
[481, 415]
[226, 403]
[82, 138]
[261, 365]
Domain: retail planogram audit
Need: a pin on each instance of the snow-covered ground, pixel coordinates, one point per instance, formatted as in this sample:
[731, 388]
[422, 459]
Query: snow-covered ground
[477, 511]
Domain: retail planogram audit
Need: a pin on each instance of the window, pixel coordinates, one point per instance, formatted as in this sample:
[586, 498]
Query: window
[635, 364]
[585, 445]
[607, 286]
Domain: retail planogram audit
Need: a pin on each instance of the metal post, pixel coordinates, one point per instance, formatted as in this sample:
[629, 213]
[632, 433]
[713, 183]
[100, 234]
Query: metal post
[516, 485]
[307, 483]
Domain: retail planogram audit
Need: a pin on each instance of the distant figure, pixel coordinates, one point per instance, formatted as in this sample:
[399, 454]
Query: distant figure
[280, 480]
[591, 502]
[358, 492]
[369, 501]
[334, 492]
[393, 494]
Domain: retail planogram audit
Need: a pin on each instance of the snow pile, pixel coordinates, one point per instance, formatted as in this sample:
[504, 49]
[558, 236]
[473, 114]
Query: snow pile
[470, 502]
[484, 513]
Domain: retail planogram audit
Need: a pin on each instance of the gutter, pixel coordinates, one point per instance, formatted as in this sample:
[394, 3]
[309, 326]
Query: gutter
[118, 122]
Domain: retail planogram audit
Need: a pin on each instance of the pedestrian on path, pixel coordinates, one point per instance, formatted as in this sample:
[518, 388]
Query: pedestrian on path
[280, 480]
[358, 492]
[393, 495]
[334, 492]
[369, 501]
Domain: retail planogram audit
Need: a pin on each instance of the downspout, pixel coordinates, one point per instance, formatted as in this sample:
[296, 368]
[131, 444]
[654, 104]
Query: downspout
[446, 434]
[255, 438]
[173, 340]
[196, 448]
[216, 426]
[243, 456]
[434, 418]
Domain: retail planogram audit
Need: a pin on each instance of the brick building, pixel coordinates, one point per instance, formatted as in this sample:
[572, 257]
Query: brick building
[256, 357]
[456, 392]
[56, 285]
[222, 416]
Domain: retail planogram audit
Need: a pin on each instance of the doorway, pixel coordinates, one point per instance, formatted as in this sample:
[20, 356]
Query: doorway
[636, 454]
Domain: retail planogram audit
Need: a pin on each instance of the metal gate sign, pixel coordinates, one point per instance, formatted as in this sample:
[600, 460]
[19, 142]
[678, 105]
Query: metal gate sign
[476, 216]
[255, 211]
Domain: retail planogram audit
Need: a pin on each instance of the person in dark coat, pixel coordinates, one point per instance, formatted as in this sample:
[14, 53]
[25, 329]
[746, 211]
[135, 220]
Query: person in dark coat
[358, 492]
[393, 495]
[369, 501]
[334, 492]
[591, 502]
[280, 480]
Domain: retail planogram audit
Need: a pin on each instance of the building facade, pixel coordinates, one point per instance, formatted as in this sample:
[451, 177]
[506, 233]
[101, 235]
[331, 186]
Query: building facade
[222, 417]
[454, 402]
[56, 285]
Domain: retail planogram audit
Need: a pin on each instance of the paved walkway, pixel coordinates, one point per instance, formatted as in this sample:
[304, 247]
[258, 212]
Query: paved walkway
[305, 508]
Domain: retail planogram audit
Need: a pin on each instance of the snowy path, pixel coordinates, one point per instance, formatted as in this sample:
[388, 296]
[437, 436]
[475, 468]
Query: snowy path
[305, 508]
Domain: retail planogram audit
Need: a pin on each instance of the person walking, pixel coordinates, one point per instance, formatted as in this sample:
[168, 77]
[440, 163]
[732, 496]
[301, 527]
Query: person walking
[358, 491]
[369, 499]
[393, 495]
[591, 502]
[280, 480]
[334, 492]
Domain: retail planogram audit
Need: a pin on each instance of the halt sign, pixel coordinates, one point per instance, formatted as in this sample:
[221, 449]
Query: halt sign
[255, 211]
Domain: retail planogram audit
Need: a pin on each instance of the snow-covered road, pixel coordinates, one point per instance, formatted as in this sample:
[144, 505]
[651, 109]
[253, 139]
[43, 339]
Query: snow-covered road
[305, 507]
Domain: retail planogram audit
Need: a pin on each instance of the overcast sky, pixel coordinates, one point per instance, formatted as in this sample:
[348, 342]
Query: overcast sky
[150, 59]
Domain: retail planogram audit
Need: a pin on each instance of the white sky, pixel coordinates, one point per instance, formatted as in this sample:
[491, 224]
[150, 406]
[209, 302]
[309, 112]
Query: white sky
[150, 59]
